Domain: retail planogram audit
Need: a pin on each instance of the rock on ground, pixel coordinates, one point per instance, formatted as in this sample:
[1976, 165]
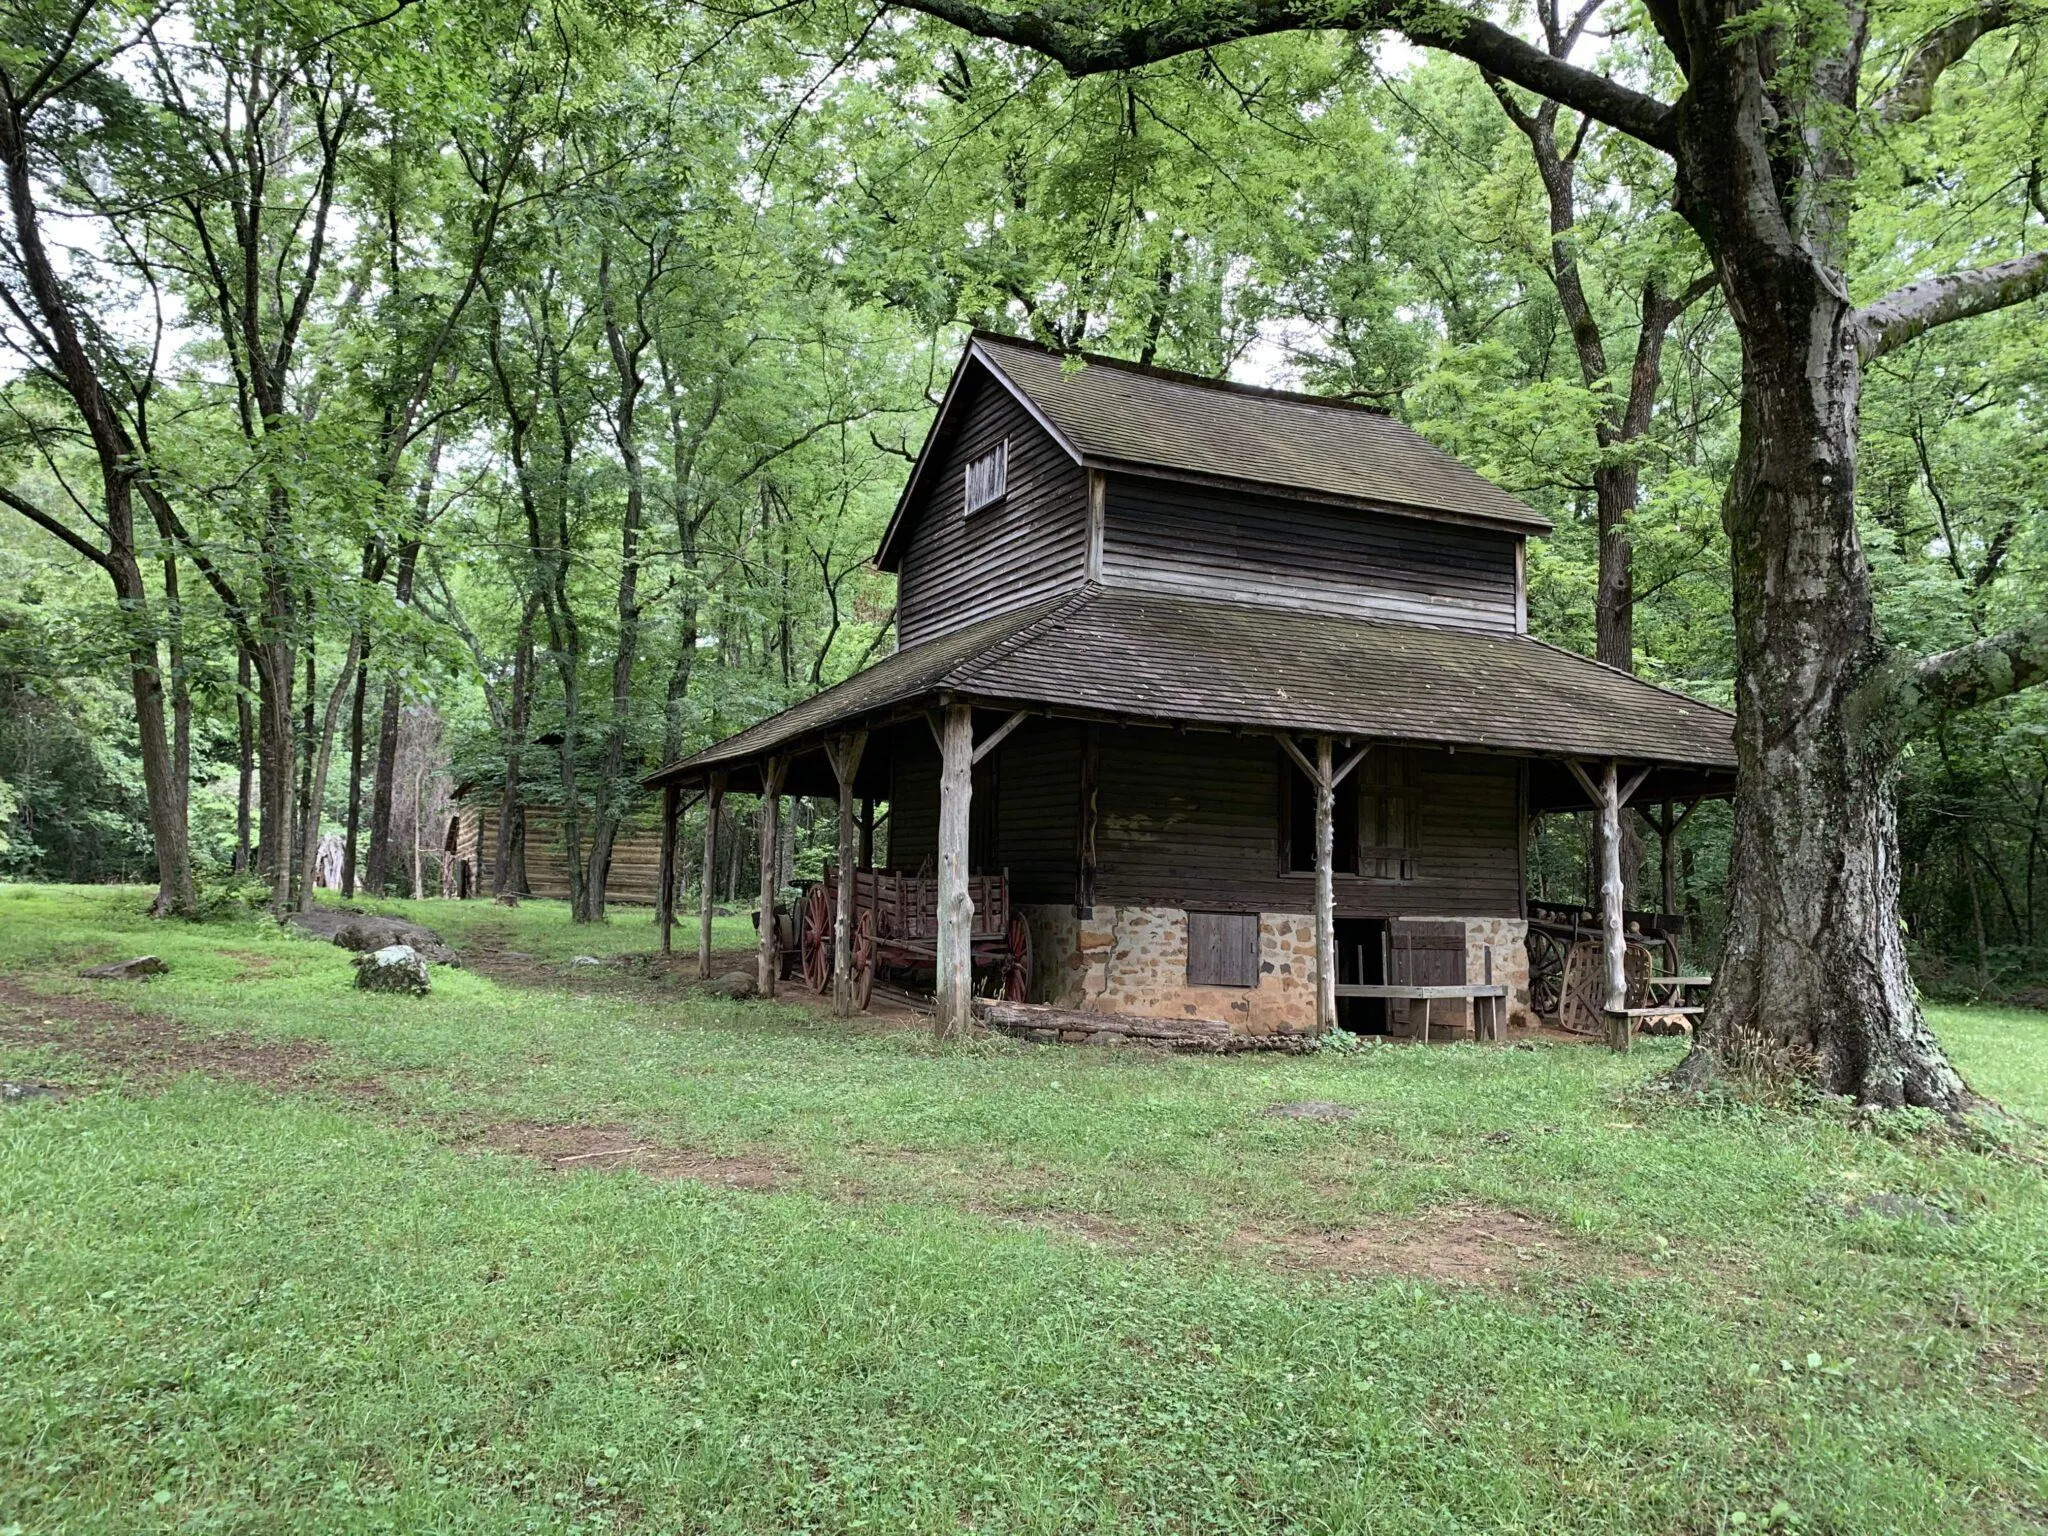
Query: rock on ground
[395, 968]
[361, 932]
[127, 970]
[732, 984]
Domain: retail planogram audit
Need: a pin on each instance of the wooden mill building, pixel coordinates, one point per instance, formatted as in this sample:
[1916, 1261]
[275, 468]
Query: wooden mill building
[1233, 684]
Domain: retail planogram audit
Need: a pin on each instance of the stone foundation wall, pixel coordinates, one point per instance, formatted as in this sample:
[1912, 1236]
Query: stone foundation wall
[1134, 960]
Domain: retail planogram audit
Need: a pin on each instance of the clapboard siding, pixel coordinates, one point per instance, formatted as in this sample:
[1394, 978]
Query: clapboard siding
[1194, 821]
[1038, 825]
[1164, 536]
[1033, 543]
[1037, 821]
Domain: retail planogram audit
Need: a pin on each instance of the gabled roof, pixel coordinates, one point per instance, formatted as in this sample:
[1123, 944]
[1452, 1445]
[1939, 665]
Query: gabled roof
[1136, 656]
[1110, 414]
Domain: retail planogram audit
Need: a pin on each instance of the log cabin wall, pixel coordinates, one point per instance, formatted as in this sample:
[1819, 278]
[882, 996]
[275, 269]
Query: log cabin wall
[1166, 536]
[958, 569]
[634, 879]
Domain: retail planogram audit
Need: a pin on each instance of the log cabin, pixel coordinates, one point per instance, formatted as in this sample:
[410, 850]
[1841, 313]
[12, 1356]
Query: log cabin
[1226, 696]
[470, 847]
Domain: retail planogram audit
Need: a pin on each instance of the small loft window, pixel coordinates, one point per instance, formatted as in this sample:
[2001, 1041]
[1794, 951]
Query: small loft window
[988, 477]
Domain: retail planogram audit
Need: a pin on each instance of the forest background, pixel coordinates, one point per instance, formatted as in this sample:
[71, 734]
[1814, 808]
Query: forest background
[513, 397]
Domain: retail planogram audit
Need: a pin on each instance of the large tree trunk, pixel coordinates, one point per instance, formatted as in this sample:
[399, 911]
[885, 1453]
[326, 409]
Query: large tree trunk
[1812, 983]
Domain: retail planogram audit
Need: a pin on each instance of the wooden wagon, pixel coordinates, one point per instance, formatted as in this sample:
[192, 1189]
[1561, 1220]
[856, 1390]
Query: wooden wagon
[896, 927]
[1567, 974]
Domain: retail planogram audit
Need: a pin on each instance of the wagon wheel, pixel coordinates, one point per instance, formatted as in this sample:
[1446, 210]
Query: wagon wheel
[863, 958]
[815, 938]
[1017, 960]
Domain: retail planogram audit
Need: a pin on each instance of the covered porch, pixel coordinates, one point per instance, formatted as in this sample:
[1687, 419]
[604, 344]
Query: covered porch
[1197, 810]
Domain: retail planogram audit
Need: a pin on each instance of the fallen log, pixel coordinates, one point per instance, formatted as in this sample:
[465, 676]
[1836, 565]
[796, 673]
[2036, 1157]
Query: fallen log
[1069, 1026]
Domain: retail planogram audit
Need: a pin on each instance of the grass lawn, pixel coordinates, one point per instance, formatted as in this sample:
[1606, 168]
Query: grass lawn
[305, 1259]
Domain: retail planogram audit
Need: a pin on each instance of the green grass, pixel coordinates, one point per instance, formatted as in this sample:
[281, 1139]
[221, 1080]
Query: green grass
[229, 1308]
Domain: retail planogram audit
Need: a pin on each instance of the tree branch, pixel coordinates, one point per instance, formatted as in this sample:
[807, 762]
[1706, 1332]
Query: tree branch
[1912, 97]
[56, 529]
[1082, 50]
[1915, 309]
[1931, 689]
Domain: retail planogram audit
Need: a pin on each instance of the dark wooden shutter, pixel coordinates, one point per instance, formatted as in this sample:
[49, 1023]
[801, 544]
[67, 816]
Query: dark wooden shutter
[1223, 949]
[1426, 952]
[1386, 815]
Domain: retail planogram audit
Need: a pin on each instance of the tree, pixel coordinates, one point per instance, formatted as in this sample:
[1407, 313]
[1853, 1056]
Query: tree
[1763, 136]
[55, 55]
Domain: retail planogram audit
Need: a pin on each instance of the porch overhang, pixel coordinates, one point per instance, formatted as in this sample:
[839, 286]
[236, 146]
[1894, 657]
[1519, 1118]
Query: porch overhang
[1137, 658]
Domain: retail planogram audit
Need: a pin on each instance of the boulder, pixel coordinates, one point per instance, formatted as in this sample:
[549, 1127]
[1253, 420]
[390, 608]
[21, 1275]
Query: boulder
[732, 984]
[395, 968]
[141, 967]
[363, 933]
[507, 900]
[585, 960]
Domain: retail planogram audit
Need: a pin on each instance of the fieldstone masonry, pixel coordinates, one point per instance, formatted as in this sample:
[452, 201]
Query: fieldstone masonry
[1134, 960]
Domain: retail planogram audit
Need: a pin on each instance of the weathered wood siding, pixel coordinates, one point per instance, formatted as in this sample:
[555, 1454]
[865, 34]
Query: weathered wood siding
[1194, 821]
[1036, 772]
[634, 878]
[1168, 537]
[1033, 543]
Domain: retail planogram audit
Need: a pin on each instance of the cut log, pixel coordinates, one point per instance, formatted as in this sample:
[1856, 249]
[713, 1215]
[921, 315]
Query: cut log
[1038, 1021]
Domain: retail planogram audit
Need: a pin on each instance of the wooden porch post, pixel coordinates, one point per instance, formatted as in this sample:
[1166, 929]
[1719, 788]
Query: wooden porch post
[714, 802]
[771, 807]
[1614, 942]
[955, 938]
[666, 903]
[1326, 889]
[867, 832]
[844, 756]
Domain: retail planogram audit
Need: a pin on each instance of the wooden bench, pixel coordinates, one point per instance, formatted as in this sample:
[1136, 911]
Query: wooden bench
[1492, 993]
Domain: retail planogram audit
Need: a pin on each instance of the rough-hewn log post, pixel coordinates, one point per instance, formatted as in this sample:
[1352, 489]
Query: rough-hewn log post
[1326, 889]
[1613, 938]
[845, 757]
[867, 832]
[955, 990]
[771, 807]
[714, 803]
[665, 903]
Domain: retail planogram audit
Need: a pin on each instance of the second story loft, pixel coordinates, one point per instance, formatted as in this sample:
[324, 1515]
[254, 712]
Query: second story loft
[1043, 473]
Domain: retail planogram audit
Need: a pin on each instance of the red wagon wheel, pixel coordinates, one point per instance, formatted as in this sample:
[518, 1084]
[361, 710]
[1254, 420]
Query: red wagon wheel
[863, 958]
[815, 939]
[1017, 960]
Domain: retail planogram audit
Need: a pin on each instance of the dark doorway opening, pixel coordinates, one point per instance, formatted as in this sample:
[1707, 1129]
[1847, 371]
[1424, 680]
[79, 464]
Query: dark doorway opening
[1362, 962]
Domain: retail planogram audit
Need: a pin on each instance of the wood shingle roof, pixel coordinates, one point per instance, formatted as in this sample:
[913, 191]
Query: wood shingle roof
[1143, 657]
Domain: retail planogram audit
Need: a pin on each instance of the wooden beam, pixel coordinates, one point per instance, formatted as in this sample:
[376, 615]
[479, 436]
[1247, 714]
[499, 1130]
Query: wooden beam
[1614, 938]
[1634, 783]
[1326, 889]
[955, 960]
[771, 808]
[665, 901]
[1300, 757]
[1098, 520]
[714, 805]
[996, 737]
[1350, 763]
[867, 832]
[845, 759]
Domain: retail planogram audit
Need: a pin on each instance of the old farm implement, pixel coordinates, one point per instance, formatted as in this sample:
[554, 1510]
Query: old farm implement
[1567, 977]
[896, 926]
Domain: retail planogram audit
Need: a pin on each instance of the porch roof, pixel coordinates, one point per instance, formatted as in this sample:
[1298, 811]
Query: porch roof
[1141, 657]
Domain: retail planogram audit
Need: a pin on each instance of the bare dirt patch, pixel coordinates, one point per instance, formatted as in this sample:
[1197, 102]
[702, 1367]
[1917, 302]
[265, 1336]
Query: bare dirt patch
[122, 1042]
[1450, 1245]
[611, 1148]
[1096, 1231]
